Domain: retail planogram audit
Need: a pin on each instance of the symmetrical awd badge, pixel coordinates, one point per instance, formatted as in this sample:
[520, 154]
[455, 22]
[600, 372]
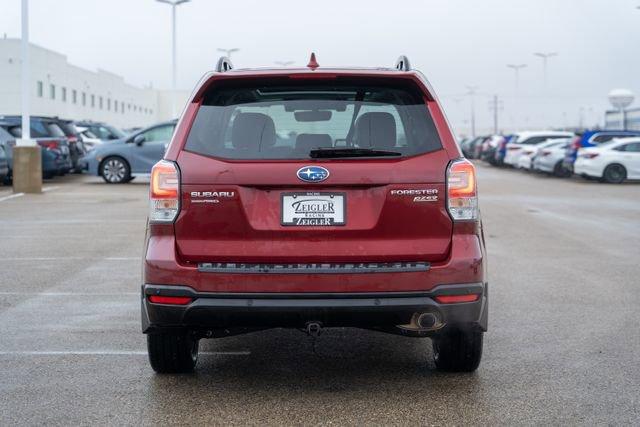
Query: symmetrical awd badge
[313, 174]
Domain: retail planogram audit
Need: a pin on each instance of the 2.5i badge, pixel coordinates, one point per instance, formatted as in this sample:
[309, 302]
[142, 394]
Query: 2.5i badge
[313, 209]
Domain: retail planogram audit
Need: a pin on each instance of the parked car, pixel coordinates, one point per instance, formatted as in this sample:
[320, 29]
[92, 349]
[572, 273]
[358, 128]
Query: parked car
[248, 230]
[94, 133]
[528, 153]
[46, 132]
[549, 159]
[522, 139]
[489, 148]
[501, 150]
[592, 139]
[612, 162]
[121, 160]
[6, 149]
[76, 144]
[469, 147]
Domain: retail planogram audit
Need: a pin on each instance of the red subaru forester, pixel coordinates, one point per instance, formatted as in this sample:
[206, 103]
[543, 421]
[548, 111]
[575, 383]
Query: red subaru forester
[312, 198]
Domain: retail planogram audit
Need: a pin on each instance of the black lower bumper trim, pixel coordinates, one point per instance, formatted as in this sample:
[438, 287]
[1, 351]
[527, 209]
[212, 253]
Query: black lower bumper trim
[210, 311]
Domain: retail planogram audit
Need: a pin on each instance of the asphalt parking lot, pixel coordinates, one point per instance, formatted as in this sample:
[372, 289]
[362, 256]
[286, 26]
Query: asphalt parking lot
[563, 344]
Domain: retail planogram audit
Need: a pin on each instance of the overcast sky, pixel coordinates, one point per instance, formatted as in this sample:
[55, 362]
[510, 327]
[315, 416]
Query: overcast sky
[454, 42]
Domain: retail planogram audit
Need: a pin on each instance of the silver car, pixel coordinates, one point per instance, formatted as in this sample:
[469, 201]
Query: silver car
[549, 159]
[121, 160]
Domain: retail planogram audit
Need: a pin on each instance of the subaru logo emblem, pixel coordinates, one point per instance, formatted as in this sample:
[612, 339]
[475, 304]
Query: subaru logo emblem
[313, 173]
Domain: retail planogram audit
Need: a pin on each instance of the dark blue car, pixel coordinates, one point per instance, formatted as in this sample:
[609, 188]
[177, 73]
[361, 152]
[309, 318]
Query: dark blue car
[592, 138]
[56, 158]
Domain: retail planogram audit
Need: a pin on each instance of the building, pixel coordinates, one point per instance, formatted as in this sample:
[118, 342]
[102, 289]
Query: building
[612, 119]
[71, 92]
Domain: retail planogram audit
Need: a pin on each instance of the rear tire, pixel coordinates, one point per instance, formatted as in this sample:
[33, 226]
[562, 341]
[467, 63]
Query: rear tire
[115, 170]
[614, 174]
[172, 354]
[458, 351]
[560, 171]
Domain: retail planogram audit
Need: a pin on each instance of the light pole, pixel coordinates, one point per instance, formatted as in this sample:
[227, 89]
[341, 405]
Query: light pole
[174, 4]
[27, 157]
[283, 63]
[516, 69]
[545, 56]
[471, 93]
[228, 51]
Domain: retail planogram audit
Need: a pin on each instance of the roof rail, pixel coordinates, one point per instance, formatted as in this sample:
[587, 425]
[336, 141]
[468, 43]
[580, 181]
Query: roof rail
[224, 64]
[402, 64]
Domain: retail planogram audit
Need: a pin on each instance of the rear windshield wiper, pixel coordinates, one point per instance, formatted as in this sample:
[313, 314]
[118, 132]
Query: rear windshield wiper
[328, 153]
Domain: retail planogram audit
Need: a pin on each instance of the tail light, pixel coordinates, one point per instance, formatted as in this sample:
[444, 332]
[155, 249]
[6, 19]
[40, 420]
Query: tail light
[164, 194]
[49, 145]
[545, 153]
[462, 197]
[589, 155]
[513, 148]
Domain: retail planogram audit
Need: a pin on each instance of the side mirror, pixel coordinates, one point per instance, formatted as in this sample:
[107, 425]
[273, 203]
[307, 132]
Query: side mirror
[139, 139]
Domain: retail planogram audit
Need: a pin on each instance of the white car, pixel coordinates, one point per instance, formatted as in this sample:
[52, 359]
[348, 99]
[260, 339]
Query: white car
[549, 159]
[88, 138]
[613, 161]
[530, 151]
[523, 139]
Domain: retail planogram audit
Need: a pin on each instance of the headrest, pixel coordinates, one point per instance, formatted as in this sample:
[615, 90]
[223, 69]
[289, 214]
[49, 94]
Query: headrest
[253, 130]
[376, 130]
[306, 142]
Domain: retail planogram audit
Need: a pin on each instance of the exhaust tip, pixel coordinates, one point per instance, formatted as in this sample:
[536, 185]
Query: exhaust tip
[427, 321]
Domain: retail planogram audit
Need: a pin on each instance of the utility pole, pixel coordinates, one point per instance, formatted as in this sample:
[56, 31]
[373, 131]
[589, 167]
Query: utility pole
[471, 93]
[495, 105]
[545, 57]
[174, 4]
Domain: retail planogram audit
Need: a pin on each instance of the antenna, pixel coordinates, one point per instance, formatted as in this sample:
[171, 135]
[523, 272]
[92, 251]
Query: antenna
[313, 64]
[402, 64]
[224, 64]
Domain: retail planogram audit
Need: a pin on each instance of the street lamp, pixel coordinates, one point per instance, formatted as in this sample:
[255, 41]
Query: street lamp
[27, 170]
[545, 56]
[173, 4]
[471, 93]
[517, 68]
[284, 63]
[228, 51]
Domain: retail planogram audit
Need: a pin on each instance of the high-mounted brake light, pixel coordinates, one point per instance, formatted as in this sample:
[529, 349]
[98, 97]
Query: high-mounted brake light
[462, 197]
[164, 194]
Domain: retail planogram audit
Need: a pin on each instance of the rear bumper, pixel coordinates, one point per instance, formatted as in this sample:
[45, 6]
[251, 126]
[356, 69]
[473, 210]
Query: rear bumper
[213, 313]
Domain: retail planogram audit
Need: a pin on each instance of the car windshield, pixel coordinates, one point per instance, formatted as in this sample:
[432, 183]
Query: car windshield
[292, 122]
[117, 133]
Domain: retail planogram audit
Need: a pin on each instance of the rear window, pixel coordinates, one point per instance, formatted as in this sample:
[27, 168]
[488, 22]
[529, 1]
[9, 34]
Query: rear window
[287, 122]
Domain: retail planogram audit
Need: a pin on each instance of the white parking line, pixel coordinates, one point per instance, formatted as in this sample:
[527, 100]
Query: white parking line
[45, 189]
[12, 196]
[111, 353]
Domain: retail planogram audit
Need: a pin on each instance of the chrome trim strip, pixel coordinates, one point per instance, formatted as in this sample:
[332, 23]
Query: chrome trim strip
[314, 268]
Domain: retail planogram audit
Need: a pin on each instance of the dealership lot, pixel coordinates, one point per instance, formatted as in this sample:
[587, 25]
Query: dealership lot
[562, 346]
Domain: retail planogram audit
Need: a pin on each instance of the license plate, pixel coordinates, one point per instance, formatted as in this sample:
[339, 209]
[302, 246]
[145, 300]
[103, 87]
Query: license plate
[313, 209]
